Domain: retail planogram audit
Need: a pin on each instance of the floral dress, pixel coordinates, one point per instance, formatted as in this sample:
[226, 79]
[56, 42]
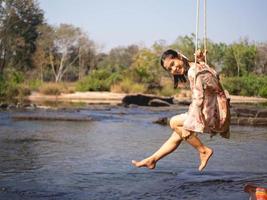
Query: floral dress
[209, 111]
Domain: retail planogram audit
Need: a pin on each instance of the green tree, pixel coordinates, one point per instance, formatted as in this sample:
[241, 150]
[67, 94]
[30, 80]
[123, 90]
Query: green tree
[185, 45]
[44, 51]
[18, 32]
[146, 67]
[261, 59]
[87, 55]
[229, 63]
[70, 48]
[64, 51]
[240, 58]
[215, 55]
[65, 43]
[119, 58]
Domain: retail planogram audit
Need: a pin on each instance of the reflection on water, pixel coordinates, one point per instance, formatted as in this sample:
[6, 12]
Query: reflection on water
[91, 160]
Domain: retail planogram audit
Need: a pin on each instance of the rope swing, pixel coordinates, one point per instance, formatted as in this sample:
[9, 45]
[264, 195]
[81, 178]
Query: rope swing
[205, 30]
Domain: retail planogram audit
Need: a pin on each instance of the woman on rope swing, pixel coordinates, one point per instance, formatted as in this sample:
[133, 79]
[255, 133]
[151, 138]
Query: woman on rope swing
[208, 113]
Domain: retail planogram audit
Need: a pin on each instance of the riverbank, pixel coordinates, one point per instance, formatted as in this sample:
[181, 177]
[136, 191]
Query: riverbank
[245, 111]
[111, 98]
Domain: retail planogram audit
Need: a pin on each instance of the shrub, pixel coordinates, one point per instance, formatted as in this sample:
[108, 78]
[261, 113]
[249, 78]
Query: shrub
[251, 85]
[128, 86]
[167, 90]
[91, 84]
[34, 84]
[15, 77]
[23, 90]
[232, 85]
[9, 84]
[11, 91]
[51, 89]
[263, 92]
[98, 80]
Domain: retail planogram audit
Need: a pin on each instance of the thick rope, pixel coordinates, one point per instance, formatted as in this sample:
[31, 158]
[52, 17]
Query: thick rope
[205, 30]
[197, 27]
[196, 42]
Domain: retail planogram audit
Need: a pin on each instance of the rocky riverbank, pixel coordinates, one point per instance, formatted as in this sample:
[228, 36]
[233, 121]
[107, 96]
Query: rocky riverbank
[111, 98]
[244, 110]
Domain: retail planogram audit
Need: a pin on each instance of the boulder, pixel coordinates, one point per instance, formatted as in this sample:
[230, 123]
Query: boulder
[245, 112]
[158, 102]
[3, 105]
[11, 107]
[144, 99]
[185, 102]
[162, 121]
[245, 121]
[248, 121]
[30, 106]
[234, 120]
[262, 113]
[259, 122]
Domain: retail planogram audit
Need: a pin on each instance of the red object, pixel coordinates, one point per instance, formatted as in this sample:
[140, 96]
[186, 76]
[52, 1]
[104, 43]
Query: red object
[256, 193]
[261, 193]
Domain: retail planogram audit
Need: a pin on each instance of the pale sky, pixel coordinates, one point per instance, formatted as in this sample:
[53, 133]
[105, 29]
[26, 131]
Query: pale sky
[112, 23]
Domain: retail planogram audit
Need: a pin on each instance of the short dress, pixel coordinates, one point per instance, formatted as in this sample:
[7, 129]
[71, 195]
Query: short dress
[209, 111]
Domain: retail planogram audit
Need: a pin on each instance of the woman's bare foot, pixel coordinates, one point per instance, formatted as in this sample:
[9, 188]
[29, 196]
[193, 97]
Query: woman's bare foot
[204, 158]
[149, 162]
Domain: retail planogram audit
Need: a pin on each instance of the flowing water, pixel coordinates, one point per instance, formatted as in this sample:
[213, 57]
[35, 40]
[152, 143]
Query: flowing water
[92, 160]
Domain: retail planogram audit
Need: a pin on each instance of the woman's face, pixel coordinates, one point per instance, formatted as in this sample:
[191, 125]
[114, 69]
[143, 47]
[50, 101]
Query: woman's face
[174, 65]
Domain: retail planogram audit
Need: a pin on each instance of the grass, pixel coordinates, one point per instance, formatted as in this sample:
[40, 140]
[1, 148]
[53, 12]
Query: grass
[128, 86]
[56, 88]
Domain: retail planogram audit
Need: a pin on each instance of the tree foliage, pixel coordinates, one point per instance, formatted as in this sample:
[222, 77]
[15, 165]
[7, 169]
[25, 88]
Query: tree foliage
[19, 20]
[119, 58]
[64, 48]
[146, 68]
[239, 59]
[261, 59]
[185, 45]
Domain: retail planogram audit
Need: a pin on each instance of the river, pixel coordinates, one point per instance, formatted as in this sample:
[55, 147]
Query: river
[92, 160]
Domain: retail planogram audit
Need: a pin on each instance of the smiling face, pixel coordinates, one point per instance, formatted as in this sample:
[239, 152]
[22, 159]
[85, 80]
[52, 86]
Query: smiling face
[174, 65]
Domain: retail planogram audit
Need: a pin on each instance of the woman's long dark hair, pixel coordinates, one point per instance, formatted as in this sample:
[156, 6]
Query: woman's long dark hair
[173, 54]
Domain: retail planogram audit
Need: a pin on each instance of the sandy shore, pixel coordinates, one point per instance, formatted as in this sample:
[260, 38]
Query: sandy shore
[111, 98]
[84, 97]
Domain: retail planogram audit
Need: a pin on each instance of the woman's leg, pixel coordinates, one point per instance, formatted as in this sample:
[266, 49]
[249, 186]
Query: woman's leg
[204, 152]
[169, 146]
[173, 142]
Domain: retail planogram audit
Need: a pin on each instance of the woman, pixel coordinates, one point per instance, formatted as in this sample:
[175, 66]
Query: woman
[209, 111]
